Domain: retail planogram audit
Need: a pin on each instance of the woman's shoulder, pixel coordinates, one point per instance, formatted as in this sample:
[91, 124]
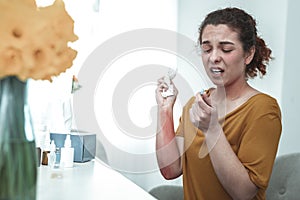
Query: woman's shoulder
[264, 103]
[262, 98]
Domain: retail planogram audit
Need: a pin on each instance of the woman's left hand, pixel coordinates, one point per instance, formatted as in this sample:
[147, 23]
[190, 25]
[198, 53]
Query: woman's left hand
[203, 112]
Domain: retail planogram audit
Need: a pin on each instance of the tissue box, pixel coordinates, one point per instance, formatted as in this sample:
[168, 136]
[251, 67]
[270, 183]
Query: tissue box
[84, 144]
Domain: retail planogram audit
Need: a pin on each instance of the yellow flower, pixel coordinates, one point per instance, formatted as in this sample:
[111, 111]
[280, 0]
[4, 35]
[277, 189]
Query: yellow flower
[34, 41]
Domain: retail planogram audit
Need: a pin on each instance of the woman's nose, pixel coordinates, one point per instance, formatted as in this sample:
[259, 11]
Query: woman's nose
[215, 56]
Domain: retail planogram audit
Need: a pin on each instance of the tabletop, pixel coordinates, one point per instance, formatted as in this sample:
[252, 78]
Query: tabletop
[88, 181]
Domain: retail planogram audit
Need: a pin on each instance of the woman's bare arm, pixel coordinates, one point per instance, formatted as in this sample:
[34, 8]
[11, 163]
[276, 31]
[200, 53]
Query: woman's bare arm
[167, 149]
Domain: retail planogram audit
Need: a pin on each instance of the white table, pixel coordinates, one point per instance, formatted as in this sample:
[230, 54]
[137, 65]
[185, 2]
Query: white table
[86, 181]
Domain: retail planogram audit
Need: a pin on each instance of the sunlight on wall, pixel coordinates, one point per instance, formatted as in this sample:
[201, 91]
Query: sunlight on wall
[95, 24]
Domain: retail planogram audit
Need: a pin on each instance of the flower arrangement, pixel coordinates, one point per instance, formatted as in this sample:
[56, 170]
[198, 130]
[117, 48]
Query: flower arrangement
[33, 44]
[34, 40]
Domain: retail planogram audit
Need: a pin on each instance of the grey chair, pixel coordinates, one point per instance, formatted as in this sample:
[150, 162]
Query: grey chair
[167, 192]
[285, 178]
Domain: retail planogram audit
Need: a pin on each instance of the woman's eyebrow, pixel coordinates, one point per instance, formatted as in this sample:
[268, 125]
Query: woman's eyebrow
[226, 42]
[222, 42]
[205, 42]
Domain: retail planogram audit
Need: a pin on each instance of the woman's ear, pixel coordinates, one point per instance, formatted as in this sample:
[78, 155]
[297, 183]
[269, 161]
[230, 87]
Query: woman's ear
[250, 55]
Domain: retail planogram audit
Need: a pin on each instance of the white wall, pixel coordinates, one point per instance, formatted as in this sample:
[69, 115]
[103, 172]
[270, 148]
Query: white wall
[115, 17]
[290, 92]
[95, 27]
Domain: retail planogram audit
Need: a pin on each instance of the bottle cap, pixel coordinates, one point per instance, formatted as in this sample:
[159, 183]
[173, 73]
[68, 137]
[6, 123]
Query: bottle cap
[68, 141]
[52, 146]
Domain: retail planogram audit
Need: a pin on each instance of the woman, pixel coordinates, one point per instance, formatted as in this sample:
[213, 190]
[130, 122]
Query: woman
[230, 133]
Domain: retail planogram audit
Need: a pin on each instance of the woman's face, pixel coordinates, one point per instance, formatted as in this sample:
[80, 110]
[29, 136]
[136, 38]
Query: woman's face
[223, 56]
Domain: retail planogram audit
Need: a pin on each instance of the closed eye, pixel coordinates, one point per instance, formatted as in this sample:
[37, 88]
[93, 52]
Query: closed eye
[206, 47]
[206, 50]
[226, 50]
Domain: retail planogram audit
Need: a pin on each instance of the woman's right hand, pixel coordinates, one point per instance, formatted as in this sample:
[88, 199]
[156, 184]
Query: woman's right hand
[162, 86]
[168, 148]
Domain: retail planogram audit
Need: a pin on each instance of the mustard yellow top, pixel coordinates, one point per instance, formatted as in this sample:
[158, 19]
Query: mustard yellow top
[253, 131]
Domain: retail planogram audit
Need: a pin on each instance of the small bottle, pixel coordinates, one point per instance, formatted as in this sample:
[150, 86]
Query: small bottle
[57, 160]
[52, 155]
[46, 149]
[67, 153]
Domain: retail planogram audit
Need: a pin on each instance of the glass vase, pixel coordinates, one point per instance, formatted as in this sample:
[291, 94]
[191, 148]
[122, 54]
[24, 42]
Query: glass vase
[18, 157]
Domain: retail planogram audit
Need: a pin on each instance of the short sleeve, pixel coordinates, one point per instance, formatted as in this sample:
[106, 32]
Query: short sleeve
[259, 144]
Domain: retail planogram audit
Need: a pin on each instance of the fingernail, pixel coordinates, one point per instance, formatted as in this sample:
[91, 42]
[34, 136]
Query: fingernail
[207, 92]
[202, 91]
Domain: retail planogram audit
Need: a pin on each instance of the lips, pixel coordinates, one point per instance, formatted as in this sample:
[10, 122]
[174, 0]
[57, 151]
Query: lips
[216, 70]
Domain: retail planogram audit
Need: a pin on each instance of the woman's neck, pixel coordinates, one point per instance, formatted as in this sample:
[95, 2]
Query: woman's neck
[236, 92]
[229, 98]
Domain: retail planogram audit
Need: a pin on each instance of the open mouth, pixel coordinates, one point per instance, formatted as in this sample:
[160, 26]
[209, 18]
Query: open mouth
[216, 71]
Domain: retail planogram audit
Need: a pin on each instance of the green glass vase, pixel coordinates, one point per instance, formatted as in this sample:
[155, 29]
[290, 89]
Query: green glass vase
[18, 157]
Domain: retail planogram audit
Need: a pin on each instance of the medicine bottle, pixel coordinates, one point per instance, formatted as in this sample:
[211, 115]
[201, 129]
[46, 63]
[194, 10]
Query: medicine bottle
[57, 155]
[52, 155]
[67, 153]
[46, 149]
